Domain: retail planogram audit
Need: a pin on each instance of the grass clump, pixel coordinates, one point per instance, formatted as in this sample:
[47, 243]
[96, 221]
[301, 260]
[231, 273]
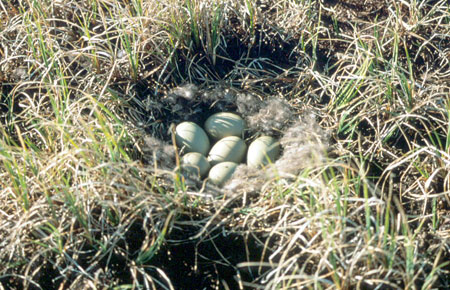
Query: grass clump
[357, 94]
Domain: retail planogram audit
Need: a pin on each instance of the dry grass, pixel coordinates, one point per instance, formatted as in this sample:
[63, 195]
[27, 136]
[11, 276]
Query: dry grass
[357, 93]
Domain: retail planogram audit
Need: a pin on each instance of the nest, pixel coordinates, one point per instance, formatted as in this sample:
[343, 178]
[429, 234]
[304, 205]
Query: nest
[303, 142]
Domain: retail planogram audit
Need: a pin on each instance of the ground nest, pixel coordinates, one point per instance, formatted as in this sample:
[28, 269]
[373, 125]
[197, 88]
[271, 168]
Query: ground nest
[301, 138]
[303, 143]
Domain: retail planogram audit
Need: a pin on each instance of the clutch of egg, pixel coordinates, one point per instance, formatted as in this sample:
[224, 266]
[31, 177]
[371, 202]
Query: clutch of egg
[226, 129]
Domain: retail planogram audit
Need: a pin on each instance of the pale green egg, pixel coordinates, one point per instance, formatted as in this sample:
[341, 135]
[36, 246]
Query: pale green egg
[231, 148]
[262, 150]
[224, 124]
[195, 163]
[222, 172]
[191, 138]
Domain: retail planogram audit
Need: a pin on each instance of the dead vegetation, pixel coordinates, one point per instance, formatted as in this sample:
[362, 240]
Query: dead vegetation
[357, 92]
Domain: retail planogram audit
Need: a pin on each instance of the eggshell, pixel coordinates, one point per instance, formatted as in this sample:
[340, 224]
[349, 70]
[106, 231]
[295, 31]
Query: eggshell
[191, 138]
[222, 172]
[195, 163]
[230, 148]
[261, 150]
[224, 124]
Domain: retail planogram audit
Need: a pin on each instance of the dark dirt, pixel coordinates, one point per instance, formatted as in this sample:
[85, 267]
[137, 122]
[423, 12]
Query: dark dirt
[202, 263]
